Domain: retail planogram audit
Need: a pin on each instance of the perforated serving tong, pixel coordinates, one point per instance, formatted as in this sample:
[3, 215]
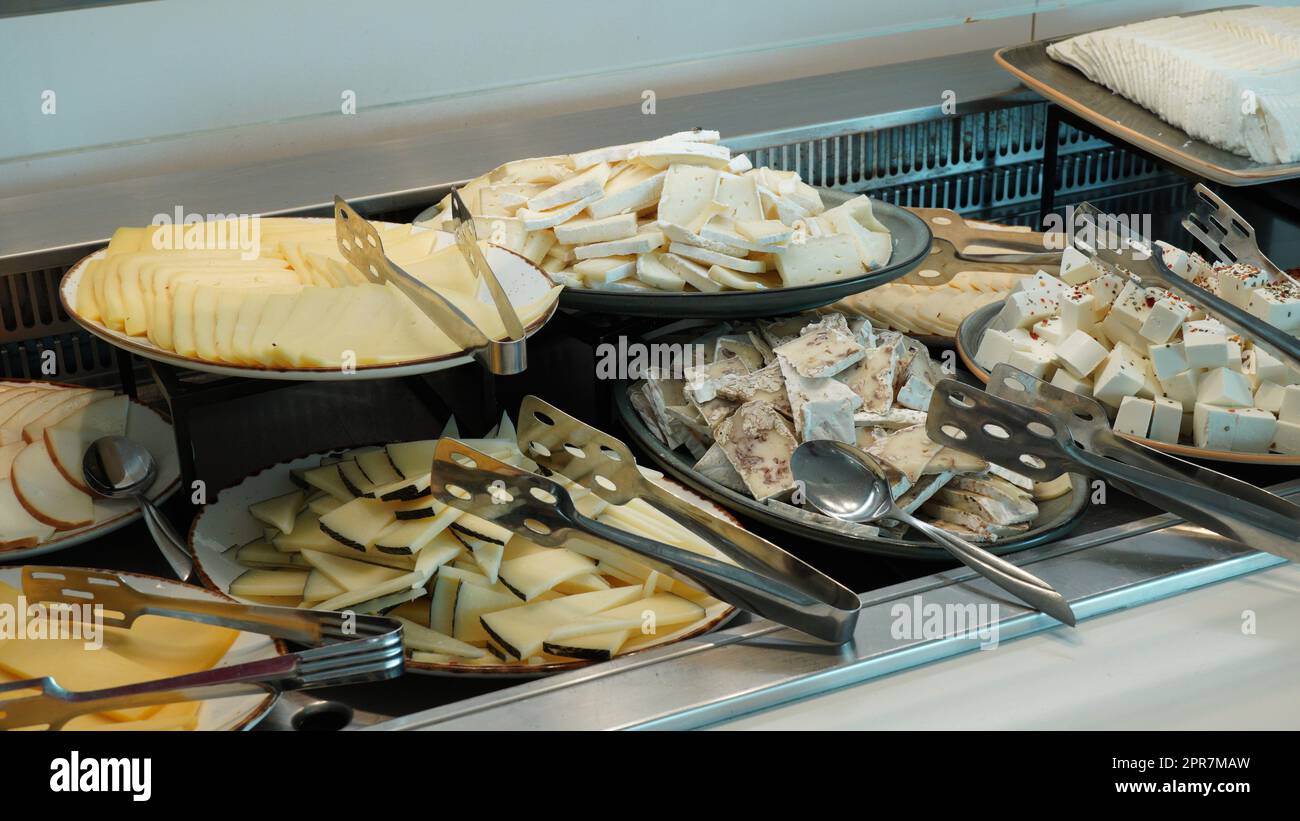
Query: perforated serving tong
[1042, 431]
[343, 649]
[944, 263]
[1131, 255]
[1226, 233]
[361, 245]
[756, 575]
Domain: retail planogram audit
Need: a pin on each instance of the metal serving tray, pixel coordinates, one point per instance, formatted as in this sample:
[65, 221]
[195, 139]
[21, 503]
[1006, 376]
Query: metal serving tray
[1069, 88]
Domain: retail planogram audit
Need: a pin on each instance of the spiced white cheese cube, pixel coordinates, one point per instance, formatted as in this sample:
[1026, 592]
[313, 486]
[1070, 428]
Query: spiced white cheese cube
[1289, 411]
[1269, 396]
[1237, 282]
[1268, 368]
[1104, 290]
[1167, 359]
[997, 346]
[1181, 388]
[1166, 420]
[1120, 376]
[821, 349]
[1050, 330]
[1040, 281]
[1164, 319]
[1205, 344]
[1077, 267]
[1226, 388]
[758, 443]
[1080, 354]
[1286, 438]
[1213, 427]
[1134, 416]
[1078, 310]
[1067, 381]
[1038, 361]
[1277, 304]
[1255, 430]
[1023, 309]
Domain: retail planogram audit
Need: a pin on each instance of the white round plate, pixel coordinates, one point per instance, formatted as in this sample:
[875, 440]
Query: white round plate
[522, 281]
[225, 522]
[235, 713]
[147, 427]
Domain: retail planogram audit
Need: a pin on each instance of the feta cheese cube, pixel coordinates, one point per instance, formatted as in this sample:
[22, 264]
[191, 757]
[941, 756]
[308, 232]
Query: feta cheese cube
[1268, 396]
[1104, 290]
[1036, 361]
[1213, 427]
[1120, 376]
[1286, 438]
[1166, 420]
[1237, 282]
[1023, 309]
[1080, 354]
[1064, 379]
[1165, 318]
[1050, 330]
[1040, 281]
[1226, 388]
[1277, 304]
[997, 346]
[1133, 305]
[1134, 417]
[1167, 359]
[1204, 346]
[1181, 388]
[1269, 368]
[1289, 411]
[1255, 430]
[1078, 310]
[1077, 267]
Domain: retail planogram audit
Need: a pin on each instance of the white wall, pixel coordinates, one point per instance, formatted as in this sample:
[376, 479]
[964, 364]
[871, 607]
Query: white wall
[153, 86]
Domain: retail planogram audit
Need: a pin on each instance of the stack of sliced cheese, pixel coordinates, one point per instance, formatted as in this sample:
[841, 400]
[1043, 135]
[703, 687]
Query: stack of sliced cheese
[45, 430]
[1165, 369]
[756, 391]
[678, 213]
[936, 310]
[1230, 78]
[290, 302]
[362, 533]
[154, 647]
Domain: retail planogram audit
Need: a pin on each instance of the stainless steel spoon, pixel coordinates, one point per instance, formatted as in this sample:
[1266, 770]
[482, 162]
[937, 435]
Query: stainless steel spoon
[847, 484]
[117, 468]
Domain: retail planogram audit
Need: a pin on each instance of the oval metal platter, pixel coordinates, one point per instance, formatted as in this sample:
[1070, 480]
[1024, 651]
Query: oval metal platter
[968, 342]
[911, 239]
[1057, 517]
[225, 521]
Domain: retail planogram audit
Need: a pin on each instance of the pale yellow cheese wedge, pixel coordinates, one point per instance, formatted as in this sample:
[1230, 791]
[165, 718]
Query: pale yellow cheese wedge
[67, 440]
[18, 528]
[43, 402]
[34, 430]
[46, 494]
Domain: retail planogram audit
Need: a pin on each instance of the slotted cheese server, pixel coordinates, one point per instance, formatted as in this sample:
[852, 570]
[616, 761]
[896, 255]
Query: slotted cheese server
[1226, 233]
[361, 245]
[944, 263]
[343, 649]
[756, 576]
[1135, 257]
[1043, 431]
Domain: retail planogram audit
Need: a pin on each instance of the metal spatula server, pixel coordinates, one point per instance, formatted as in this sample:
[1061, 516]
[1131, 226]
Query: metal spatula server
[1042, 431]
[361, 245]
[756, 575]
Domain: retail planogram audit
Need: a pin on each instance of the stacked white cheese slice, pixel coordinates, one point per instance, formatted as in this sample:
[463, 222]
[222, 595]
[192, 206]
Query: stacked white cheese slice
[292, 301]
[678, 214]
[1230, 78]
[936, 310]
[756, 391]
[361, 533]
[44, 432]
[1165, 369]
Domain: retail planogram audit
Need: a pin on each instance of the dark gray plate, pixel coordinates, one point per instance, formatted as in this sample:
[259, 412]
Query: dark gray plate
[1057, 517]
[911, 245]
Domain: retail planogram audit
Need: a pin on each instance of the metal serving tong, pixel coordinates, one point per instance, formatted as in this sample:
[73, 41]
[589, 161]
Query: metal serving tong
[757, 576]
[944, 263]
[1134, 256]
[1226, 233]
[1025, 251]
[343, 649]
[360, 244]
[1042, 431]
